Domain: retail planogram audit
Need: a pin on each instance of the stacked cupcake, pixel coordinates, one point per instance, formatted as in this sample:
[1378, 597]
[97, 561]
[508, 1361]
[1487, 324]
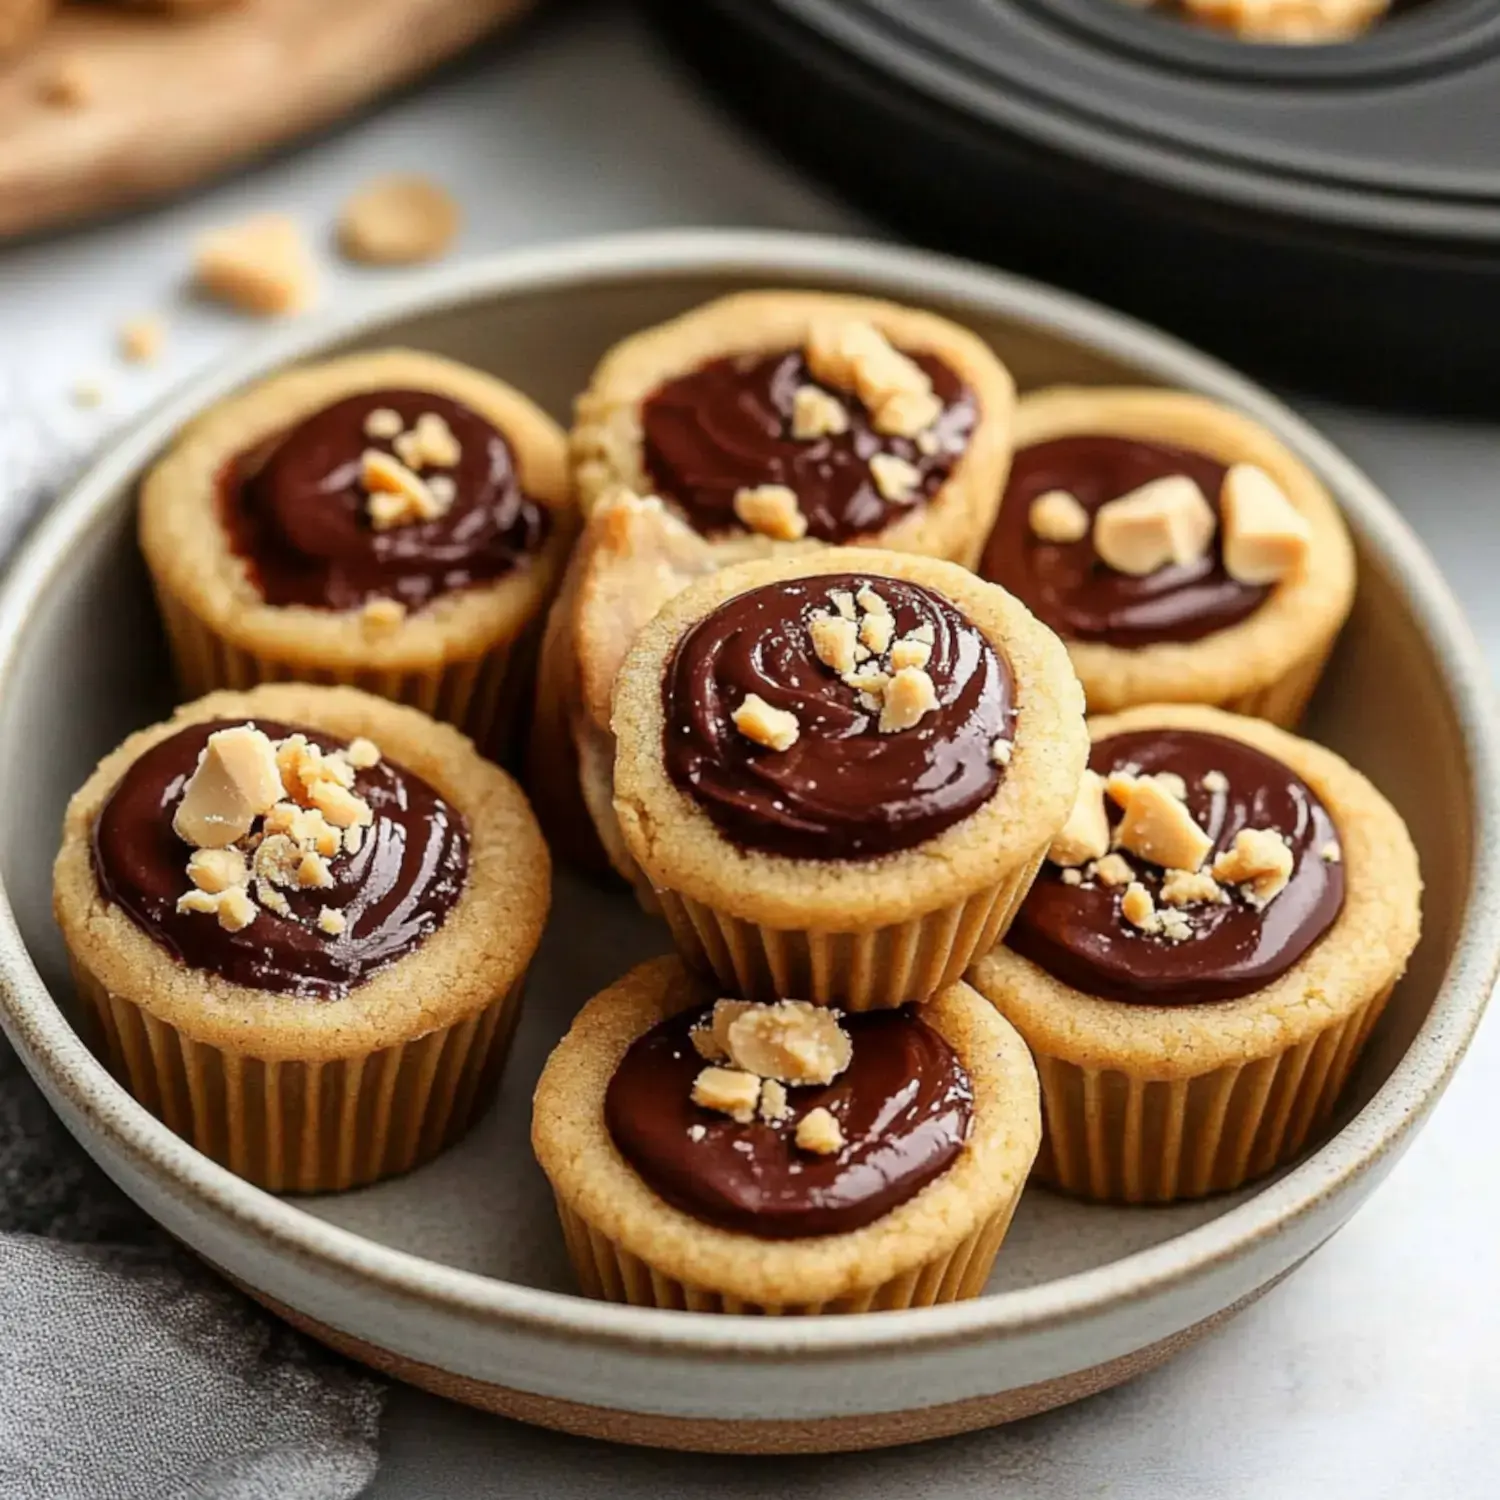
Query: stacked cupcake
[813, 682]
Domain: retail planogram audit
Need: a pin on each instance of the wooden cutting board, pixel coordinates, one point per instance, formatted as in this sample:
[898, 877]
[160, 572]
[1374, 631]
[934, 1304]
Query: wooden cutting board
[174, 101]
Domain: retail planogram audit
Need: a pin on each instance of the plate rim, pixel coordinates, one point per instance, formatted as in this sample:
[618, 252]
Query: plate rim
[61, 1062]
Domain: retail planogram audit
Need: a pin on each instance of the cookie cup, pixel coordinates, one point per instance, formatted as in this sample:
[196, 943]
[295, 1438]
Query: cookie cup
[302, 1095]
[1151, 1104]
[1269, 664]
[463, 659]
[607, 444]
[868, 933]
[629, 1245]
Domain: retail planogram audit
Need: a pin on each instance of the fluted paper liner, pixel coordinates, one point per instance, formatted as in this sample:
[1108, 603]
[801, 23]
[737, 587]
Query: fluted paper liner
[606, 1270]
[478, 695]
[875, 969]
[307, 1127]
[1115, 1138]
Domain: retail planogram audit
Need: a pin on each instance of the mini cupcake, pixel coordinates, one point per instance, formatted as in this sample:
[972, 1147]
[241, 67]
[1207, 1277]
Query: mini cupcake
[1196, 970]
[301, 917]
[841, 772]
[1181, 551]
[775, 419]
[783, 1159]
[392, 521]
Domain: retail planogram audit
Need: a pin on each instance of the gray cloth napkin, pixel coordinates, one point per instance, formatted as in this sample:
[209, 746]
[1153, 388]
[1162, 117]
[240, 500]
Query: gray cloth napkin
[128, 1371]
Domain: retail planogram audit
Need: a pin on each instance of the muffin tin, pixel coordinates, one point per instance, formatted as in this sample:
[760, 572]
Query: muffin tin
[1330, 213]
[454, 1276]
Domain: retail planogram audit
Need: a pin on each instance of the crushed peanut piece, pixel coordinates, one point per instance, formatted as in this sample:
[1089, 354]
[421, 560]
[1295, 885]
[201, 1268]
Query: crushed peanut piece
[354, 839]
[1192, 888]
[215, 870]
[775, 728]
[1057, 517]
[843, 601]
[332, 922]
[910, 652]
[1175, 927]
[833, 641]
[1085, 834]
[1172, 784]
[875, 632]
[272, 899]
[141, 340]
[383, 424]
[362, 753]
[697, 1133]
[895, 479]
[1002, 750]
[909, 696]
[816, 414]
[771, 510]
[774, 1107]
[1215, 781]
[855, 356]
[1072, 877]
[1332, 854]
[1119, 785]
[819, 1132]
[790, 1041]
[711, 1039]
[1164, 522]
[236, 780]
[397, 495]
[277, 859]
[232, 906]
[910, 414]
[400, 219]
[1137, 907]
[869, 680]
[728, 1092]
[1266, 538]
[313, 872]
[340, 806]
[260, 266]
[383, 614]
[1113, 870]
[1159, 828]
[430, 444]
[871, 602]
[1259, 862]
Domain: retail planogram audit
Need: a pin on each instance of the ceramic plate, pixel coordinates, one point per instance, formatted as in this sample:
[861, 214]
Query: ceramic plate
[454, 1277]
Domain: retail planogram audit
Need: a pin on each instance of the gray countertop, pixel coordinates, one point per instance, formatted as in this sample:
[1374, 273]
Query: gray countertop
[1372, 1373]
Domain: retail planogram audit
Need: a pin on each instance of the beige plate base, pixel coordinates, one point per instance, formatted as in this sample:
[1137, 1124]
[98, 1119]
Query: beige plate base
[175, 100]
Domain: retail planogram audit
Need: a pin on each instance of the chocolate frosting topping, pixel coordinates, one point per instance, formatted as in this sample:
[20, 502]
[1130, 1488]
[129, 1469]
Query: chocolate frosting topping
[1069, 589]
[904, 1105]
[294, 508]
[1077, 933]
[844, 790]
[728, 426]
[409, 872]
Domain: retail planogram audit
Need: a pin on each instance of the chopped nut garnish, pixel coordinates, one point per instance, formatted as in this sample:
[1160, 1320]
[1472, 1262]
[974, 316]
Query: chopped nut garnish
[910, 414]
[909, 696]
[1159, 828]
[697, 1133]
[910, 652]
[383, 424]
[1002, 750]
[276, 860]
[729, 1092]
[1266, 538]
[895, 479]
[1166, 521]
[354, 839]
[856, 356]
[332, 922]
[833, 641]
[1057, 517]
[1072, 877]
[1215, 781]
[1175, 927]
[397, 495]
[1119, 786]
[232, 906]
[1332, 854]
[141, 340]
[771, 510]
[383, 614]
[340, 806]
[1137, 907]
[1192, 888]
[260, 266]
[710, 1039]
[817, 414]
[400, 219]
[790, 1041]
[757, 720]
[235, 782]
[875, 632]
[215, 870]
[1259, 862]
[819, 1132]
[444, 490]
[1172, 784]
[870, 681]
[430, 444]
[272, 899]
[362, 753]
[313, 872]
[1085, 835]
[871, 602]
[1113, 870]
[773, 1102]
[843, 601]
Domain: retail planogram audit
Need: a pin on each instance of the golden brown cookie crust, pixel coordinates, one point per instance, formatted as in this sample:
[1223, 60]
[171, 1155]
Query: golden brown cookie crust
[680, 848]
[480, 951]
[573, 1145]
[1303, 613]
[191, 560]
[606, 441]
[1364, 952]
